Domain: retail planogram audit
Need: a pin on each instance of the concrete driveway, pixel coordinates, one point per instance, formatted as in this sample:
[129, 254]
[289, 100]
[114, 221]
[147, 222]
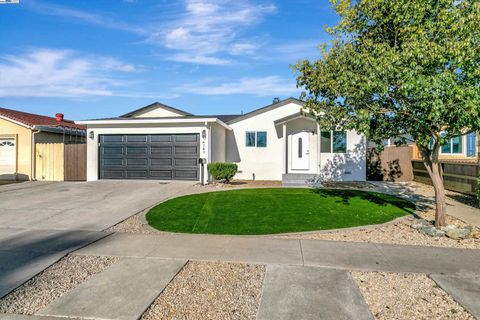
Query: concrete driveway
[42, 222]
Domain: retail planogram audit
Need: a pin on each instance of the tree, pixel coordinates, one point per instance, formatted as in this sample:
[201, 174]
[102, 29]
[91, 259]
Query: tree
[398, 69]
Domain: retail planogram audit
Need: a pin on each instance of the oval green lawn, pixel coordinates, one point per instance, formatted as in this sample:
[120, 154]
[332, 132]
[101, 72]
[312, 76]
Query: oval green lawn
[275, 210]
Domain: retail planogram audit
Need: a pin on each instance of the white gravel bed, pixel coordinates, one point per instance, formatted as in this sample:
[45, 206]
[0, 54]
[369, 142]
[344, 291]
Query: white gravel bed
[210, 290]
[407, 297]
[398, 232]
[135, 224]
[52, 283]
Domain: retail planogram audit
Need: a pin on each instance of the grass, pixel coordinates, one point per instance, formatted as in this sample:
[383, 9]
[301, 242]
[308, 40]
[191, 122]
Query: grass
[275, 210]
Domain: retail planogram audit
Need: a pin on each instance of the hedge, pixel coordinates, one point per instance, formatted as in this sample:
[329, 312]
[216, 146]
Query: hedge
[223, 171]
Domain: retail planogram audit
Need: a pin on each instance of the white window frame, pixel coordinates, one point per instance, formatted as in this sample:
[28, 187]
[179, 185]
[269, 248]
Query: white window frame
[331, 142]
[451, 153]
[256, 139]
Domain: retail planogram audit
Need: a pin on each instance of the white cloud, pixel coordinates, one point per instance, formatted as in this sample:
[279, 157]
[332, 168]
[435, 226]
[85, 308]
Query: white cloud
[198, 59]
[96, 19]
[60, 73]
[211, 28]
[260, 86]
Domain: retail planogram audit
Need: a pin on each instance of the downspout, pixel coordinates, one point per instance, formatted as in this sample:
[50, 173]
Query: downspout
[34, 131]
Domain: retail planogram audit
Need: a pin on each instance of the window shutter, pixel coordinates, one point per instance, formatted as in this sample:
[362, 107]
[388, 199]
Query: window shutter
[471, 142]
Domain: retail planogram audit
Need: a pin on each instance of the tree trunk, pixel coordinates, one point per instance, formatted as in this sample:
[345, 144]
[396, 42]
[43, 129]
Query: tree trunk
[434, 168]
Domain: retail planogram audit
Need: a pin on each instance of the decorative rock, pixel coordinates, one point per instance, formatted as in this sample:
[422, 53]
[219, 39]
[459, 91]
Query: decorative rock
[448, 227]
[432, 231]
[420, 223]
[460, 233]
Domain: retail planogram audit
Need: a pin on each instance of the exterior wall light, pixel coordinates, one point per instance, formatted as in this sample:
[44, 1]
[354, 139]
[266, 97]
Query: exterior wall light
[91, 135]
[204, 134]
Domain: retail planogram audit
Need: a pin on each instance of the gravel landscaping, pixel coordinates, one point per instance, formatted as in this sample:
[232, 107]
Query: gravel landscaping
[210, 290]
[398, 232]
[407, 296]
[52, 283]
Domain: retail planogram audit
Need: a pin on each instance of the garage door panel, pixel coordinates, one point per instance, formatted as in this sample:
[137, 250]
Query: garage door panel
[110, 150]
[161, 174]
[136, 150]
[136, 139]
[162, 150]
[111, 139]
[136, 174]
[162, 157]
[185, 175]
[186, 138]
[137, 162]
[185, 150]
[161, 139]
[161, 162]
[112, 174]
[113, 162]
[185, 162]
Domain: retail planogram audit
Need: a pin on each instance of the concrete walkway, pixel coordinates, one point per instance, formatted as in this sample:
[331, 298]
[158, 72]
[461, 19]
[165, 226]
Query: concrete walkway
[310, 293]
[466, 290]
[331, 254]
[124, 291]
[424, 196]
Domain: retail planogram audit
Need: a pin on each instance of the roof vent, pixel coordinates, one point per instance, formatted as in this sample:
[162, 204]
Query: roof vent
[59, 117]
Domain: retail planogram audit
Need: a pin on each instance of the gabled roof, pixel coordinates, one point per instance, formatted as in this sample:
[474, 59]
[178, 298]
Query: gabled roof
[267, 108]
[154, 106]
[293, 117]
[31, 120]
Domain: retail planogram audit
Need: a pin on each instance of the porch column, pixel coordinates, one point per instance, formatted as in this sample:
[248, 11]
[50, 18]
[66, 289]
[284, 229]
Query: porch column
[285, 148]
[319, 157]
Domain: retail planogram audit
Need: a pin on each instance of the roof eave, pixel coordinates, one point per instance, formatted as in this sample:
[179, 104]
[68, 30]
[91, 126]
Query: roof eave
[154, 121]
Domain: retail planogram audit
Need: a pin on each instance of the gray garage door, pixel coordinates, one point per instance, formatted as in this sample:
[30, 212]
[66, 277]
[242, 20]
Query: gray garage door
[159, 156]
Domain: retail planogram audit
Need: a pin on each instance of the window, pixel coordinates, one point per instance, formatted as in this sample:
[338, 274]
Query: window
[339, 142]
[333, 141]
[453, 146]
[250, 139]
[256, 139]
[300, 145]
[261, 139]
[471, 144]
[325, 142]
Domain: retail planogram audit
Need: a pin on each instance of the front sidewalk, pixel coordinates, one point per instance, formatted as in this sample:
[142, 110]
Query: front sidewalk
[318, 253]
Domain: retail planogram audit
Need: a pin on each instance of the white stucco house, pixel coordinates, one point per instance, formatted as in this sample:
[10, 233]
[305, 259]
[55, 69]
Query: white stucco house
[275, 142]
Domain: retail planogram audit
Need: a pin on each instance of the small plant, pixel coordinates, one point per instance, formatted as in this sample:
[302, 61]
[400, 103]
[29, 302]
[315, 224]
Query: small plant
[223, 171]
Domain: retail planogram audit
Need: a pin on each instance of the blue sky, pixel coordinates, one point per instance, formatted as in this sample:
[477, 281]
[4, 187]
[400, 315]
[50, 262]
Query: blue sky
[91, 59]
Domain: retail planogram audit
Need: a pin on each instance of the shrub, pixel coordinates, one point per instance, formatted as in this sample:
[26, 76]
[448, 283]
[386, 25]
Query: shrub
[223, 171]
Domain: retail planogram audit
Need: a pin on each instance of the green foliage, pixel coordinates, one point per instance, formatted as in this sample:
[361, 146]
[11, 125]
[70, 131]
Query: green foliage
[399, 68]
[223, 171]
[275, 210]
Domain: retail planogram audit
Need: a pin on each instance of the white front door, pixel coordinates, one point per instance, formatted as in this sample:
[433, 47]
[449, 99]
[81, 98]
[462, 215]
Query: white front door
[8, 159]
[300, 151]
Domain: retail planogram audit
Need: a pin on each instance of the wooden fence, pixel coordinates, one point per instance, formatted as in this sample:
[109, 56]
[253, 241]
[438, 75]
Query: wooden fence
[392, 164]
[460, 177]
[75, 162]
[60, 162]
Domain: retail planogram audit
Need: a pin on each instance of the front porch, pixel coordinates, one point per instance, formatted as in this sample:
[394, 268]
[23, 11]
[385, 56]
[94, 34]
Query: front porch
[309, 152]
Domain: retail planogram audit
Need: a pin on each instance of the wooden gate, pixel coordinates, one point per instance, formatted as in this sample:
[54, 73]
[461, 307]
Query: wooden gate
[76, 162]
[60, 162]
[49, 161]
[393, 164]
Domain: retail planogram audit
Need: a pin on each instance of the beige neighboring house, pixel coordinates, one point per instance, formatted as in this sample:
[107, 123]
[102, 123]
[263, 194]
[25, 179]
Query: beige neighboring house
[20, 132]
